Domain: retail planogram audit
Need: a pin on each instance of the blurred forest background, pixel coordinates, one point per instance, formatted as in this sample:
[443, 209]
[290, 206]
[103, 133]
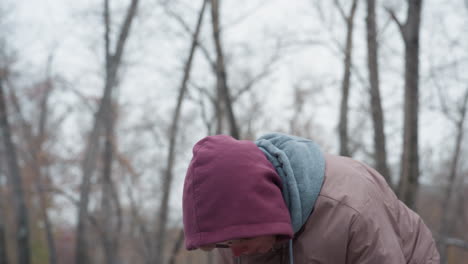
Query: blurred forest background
[101, 101]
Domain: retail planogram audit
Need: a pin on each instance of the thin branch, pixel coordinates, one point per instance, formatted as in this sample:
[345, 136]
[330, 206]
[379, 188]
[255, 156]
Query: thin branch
[382, 30]
[462, 108]
[341, 10]
[449, 65]
[106, 34]
[207, 56]
[392, 14]
[267, 69]
[92, 219]
[187, 28]
[319, 9]
[242, 17]
[80, 95]
[362, 80]
[456, 242]
[338, 47]
[204, 91]
[44, 100]
[69, 197]
[207, 121]
[443, 103]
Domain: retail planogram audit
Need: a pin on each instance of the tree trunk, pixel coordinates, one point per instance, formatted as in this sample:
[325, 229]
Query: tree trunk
[167, 180]
[91, 151]
[409, 174]
[43, 202]
[142, 227]
[109, 239]
[35, 150]
[345, 85]
[47, 223]
[177, 246]
[219, 108]
[448, 215]
[221, 79]
[3, 244]
[380, 152]
[110, 232]
[15, 181]
[106, 205]
[219, 101]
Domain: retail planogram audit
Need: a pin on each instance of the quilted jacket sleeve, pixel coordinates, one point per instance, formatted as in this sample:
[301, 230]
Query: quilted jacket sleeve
[372, 241]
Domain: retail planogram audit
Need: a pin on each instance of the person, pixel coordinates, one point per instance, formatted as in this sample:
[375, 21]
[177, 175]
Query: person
[280, 199]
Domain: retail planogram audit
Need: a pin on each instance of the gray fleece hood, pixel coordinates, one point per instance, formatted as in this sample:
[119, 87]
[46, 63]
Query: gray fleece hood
[301, 166]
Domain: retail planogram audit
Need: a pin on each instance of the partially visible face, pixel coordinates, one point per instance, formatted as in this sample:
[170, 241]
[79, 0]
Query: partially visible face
[247, 246]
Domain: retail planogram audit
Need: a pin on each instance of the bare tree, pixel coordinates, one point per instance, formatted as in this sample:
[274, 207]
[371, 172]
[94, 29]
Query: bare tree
[4, 65]
[35, 143]
[409, 172]
[168, 175]
[380, 151]
[221, 76]
[15, 181]
[449, 197]
[346, 82]
[91, 151]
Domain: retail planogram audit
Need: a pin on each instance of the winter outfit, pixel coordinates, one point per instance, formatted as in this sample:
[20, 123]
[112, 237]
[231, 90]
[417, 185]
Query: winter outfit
[322, 208]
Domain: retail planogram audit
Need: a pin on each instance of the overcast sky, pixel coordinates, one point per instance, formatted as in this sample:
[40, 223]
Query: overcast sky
[158, 47]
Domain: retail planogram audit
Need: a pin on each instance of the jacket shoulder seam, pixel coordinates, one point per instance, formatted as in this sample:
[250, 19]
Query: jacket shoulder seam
[342, 203]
